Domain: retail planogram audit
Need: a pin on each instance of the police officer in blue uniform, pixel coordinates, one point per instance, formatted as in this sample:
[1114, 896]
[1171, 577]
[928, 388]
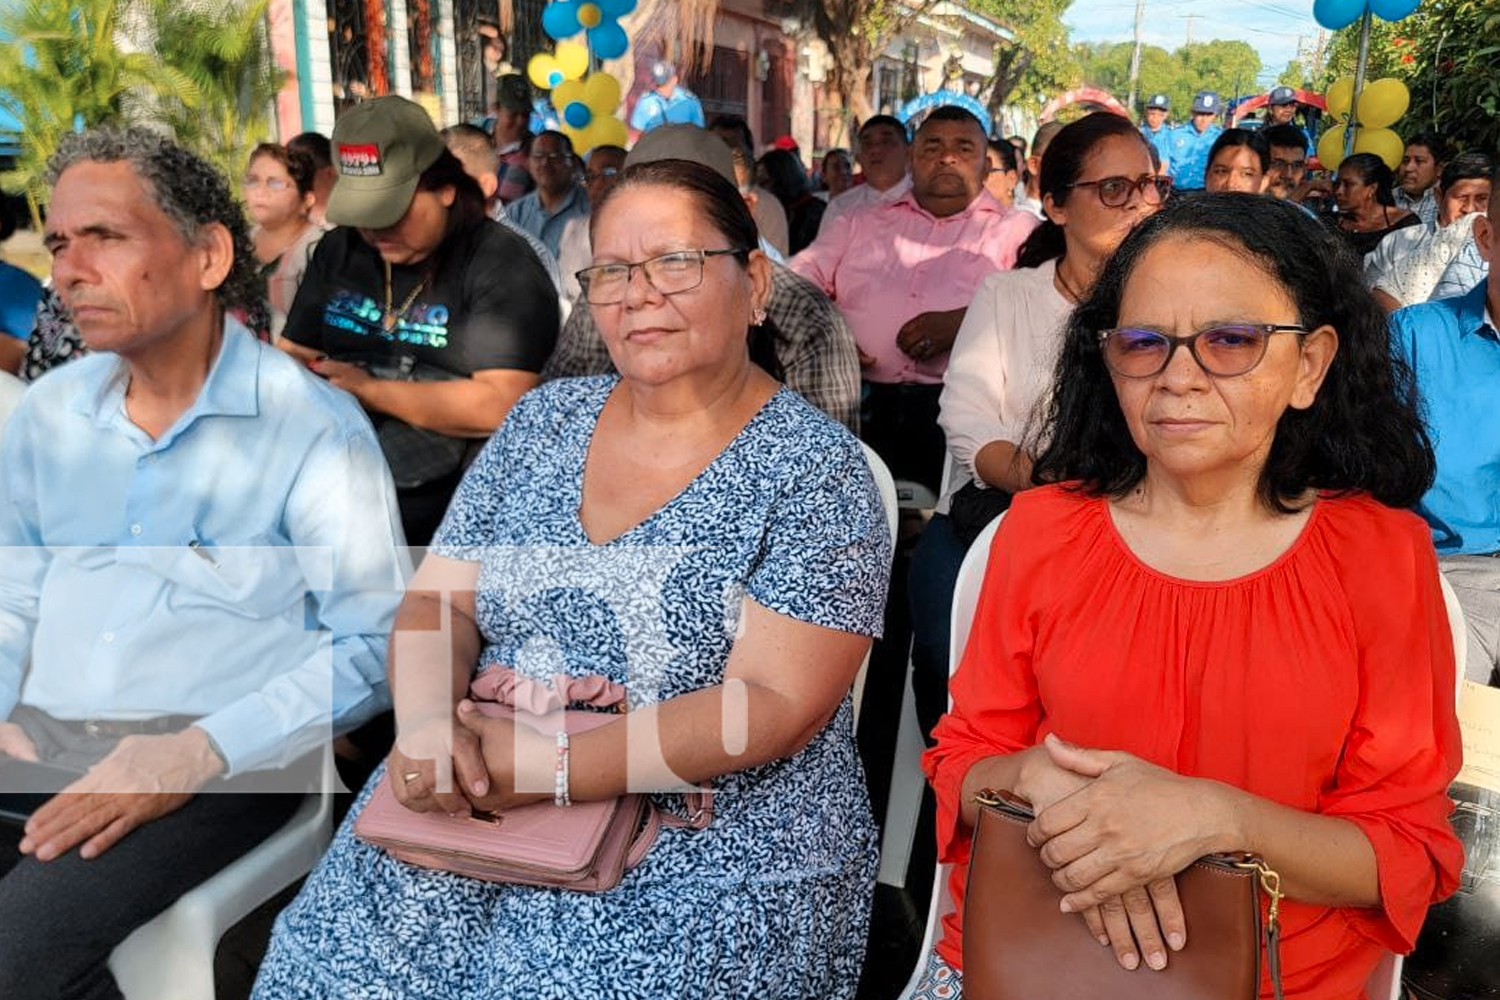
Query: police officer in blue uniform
[1156, 130]
[1281, 109]
[1191, 143]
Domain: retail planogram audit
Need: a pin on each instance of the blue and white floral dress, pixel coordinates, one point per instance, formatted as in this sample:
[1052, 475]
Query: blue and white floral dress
[772, 899]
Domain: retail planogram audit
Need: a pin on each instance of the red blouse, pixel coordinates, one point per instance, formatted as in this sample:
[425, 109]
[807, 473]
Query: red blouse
[1323, 681]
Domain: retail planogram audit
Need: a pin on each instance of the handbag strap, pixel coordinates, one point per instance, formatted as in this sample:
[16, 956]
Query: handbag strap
[700, 813]
[1270, 884]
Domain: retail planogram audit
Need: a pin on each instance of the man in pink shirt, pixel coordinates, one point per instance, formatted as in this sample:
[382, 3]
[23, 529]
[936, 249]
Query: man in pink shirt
[903, 272]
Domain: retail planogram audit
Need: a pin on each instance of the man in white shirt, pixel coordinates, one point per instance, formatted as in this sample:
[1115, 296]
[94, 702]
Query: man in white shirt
[883, 155]
[1421, 166]
[1407, 265]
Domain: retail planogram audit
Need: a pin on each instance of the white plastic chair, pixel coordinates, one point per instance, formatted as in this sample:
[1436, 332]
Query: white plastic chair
[887, 487]
[172, 957]
[1384, 982]
[904, 802]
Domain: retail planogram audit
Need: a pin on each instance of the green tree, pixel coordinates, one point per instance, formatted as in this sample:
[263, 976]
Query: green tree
[62, 68]
[1230, 68]
[223, 49]
[1296, 75]
[1039, 61]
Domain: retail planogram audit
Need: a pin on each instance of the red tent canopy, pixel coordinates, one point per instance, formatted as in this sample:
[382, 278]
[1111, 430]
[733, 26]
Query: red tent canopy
[1259, 101]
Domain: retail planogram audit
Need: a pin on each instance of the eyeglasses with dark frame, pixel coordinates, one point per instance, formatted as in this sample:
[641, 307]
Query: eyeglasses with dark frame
[668, 273]
[1115, 191]
[1225, 351]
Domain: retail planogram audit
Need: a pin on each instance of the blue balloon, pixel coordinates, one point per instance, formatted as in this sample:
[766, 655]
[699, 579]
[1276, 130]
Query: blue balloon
[1336, 14]
[615, 8]
[578, 114]
[560, 20]
[608, 41]
[1394, 10]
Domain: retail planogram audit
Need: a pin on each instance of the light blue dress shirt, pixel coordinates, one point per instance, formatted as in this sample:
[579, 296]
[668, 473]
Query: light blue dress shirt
[1162, 140]
[653, 110]
[1189, 154]
[530, 216]
[1455, 353]
[245, 567]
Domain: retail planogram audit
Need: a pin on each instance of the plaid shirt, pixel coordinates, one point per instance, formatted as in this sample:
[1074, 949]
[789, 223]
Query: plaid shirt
[1426, 206]
[1467, 270]
[813, 343]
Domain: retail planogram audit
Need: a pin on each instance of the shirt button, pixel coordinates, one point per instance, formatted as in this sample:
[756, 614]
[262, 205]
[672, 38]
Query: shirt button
[108, 637]
[135, 529]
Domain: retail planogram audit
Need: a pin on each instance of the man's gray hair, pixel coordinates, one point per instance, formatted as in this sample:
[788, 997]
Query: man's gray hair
[187, 188]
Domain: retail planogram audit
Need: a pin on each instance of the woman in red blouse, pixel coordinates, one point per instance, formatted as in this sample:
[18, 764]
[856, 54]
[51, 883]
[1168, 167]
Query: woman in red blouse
[1219, 631]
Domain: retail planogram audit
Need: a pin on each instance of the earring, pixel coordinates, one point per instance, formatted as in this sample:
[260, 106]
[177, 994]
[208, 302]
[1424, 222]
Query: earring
[758, 316]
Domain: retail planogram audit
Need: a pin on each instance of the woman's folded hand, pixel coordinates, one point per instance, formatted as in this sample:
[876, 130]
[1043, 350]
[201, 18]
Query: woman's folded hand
[1131, 827]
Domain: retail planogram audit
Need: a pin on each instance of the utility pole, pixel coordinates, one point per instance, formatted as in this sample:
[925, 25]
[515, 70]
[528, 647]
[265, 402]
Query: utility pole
[1135, 54]
[1190, 18]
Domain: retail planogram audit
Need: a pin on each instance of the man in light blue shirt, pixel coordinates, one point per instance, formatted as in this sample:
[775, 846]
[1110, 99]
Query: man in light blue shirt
[1157, 131]
[558, 198]
[1454, 349]
[202, 563]
[1191, 143]
[666, 103]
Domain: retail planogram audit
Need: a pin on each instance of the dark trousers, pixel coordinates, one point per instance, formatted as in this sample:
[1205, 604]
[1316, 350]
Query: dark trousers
[934, 571]
[900, 421]
[60, 919]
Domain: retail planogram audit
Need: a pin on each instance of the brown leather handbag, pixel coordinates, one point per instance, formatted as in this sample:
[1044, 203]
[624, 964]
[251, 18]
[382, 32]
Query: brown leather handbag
[1019, 946]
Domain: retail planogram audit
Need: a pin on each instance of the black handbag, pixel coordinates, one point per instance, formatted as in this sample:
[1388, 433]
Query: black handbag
[972, 509]
[417, 456]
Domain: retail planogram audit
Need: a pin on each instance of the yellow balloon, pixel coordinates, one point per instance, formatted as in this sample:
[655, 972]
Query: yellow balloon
[1331, 149]
[601, 92]
[566, 93]
[573, 57]
[1383, 143]
[544, 71]
[608, 131]
[1382, 103]
[1340, 97]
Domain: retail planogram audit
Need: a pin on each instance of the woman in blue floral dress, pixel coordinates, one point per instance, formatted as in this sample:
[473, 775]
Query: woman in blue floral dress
[690, 530]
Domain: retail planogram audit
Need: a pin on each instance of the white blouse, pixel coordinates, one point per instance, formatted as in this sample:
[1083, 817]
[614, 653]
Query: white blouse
[1001, 365]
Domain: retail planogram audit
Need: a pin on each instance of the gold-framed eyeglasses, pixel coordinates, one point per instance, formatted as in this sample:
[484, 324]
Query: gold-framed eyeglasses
[1226, 351]
[668, 273]
[1115, 191]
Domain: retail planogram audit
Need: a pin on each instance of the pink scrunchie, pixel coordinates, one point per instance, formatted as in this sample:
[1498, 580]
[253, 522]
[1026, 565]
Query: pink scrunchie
[504, 685]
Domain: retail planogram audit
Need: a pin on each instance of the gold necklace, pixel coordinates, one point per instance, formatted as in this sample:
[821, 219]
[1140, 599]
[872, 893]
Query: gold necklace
[390, 318]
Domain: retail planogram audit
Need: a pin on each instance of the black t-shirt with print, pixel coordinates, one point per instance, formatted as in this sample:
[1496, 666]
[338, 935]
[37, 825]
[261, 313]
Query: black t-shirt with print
[488, 303]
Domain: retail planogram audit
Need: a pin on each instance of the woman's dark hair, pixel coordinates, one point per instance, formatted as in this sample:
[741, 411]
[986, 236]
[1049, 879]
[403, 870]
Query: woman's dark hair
[1363, 431]
[784, 176]
[1371, 169]
[1009, 156]
[1235, 137]
[1062, 164]
[721, 204]
[468, 202]
[297, 164]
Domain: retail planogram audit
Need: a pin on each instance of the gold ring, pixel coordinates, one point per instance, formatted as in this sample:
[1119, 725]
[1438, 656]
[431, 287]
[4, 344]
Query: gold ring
[411, 776]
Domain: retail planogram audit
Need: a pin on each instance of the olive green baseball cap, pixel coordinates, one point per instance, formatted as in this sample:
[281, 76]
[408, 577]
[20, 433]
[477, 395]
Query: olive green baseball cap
[380, 148]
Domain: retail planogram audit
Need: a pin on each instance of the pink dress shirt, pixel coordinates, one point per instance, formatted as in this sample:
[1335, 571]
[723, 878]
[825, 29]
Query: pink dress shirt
[886, 263]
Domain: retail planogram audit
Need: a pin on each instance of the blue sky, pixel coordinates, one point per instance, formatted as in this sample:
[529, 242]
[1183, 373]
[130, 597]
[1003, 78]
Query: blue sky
[1271, 26]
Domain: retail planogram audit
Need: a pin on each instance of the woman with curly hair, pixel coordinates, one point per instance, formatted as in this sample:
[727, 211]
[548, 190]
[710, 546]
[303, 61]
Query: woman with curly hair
[1216, 628]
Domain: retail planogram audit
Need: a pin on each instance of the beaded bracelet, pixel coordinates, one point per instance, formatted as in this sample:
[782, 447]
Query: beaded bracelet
[560, 796]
